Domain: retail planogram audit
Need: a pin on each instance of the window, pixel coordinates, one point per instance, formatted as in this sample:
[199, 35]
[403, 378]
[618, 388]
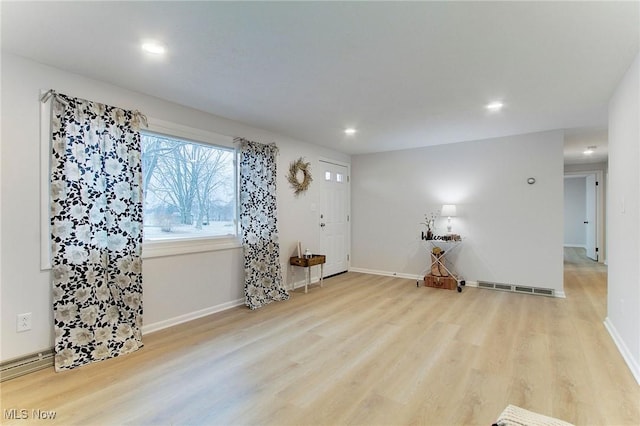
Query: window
[188, 187]
[190, 191]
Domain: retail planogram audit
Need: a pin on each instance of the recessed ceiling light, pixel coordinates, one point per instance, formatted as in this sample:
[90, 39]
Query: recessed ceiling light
[494, 106]
[350, 131]
[590, 150]
[153, 47]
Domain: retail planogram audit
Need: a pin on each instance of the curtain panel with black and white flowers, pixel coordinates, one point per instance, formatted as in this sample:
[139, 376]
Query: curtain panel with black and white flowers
[259, 224]
[96, 231]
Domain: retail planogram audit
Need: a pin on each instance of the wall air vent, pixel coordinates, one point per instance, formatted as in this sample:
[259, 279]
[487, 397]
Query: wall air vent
[26, 364]
[516, 288]
[543, 291]
[484, 284]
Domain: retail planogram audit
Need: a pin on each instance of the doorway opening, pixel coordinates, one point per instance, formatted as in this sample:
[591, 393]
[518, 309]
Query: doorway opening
[584, 213]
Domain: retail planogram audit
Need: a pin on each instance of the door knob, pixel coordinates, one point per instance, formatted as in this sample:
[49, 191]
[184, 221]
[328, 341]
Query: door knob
[322, 224]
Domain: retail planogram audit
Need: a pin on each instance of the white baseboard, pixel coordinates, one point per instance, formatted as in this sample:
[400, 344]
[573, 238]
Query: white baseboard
[556, 293]
[560, 294]
[161, 325]
[633, 364]
[386, 273]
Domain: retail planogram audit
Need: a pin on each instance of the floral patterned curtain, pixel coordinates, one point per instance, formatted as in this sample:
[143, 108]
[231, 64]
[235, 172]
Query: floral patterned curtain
[259, 220]
[96, 231]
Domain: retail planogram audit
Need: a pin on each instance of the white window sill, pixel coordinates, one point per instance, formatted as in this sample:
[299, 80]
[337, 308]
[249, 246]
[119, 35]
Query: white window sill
[151, 249]
[162, 248]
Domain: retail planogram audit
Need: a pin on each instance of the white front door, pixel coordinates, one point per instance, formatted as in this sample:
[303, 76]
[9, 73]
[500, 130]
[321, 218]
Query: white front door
[333, 217]
[591, 218]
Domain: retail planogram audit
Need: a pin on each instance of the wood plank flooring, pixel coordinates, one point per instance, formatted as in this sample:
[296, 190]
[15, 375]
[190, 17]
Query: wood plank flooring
[363, 350]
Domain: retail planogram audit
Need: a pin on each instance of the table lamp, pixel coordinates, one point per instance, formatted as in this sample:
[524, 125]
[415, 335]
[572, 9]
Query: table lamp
[448, 210]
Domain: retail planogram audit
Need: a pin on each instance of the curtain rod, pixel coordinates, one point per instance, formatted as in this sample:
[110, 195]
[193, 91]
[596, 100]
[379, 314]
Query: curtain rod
[241, 140]
[53, 94]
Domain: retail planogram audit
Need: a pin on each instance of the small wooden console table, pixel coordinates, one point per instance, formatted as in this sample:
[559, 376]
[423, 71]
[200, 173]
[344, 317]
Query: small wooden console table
[308, 262]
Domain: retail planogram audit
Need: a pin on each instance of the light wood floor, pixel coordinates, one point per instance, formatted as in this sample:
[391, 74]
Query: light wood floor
[366, 350]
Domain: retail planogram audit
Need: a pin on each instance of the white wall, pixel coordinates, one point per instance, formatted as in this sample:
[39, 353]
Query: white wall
[623, 213]
[575, 211]
[513, 231]
[175, 288]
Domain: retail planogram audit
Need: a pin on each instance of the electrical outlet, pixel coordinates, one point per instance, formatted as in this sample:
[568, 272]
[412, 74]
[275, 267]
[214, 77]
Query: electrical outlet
[24, 322]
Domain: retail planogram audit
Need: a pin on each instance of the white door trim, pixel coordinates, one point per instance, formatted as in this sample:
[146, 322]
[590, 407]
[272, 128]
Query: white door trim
[348, 166]
[336, 162]
[600, 209]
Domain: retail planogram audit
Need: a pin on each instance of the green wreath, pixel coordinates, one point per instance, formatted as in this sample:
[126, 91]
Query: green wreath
[294, 168]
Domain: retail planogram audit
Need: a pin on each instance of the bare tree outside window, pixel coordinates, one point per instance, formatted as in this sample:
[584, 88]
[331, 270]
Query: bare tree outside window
[189, 188]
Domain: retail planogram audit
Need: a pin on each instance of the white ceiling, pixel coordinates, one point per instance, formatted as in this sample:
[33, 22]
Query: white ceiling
[576, 141]
[405, 74]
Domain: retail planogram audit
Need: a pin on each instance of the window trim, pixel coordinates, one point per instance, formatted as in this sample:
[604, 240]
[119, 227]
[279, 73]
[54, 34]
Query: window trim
[45, 170]
[152, 248]
[178, 246]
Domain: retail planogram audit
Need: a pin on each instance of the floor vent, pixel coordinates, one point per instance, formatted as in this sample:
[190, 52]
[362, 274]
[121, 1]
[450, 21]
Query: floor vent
[516, 288]
[26, 364]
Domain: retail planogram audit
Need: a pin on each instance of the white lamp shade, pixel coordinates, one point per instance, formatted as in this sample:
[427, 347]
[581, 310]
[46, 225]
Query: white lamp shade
[448, 210]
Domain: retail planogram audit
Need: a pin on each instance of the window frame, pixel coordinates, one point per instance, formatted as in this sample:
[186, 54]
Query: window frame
[45, 190]
[176, 246]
